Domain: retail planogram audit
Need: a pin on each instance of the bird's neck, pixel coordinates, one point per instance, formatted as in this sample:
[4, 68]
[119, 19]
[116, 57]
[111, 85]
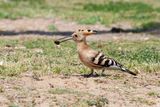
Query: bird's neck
[82, 46]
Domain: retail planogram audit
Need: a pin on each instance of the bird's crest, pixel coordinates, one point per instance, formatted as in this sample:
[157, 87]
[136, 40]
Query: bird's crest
[86, 32]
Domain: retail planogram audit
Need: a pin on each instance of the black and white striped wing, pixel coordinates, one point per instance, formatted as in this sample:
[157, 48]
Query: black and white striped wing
[101, 60]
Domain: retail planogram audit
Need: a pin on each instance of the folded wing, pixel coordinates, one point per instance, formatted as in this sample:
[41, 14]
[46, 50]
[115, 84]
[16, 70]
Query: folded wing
[101, 60]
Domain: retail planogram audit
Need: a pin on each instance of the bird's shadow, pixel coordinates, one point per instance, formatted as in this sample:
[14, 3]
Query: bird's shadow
[91, 76]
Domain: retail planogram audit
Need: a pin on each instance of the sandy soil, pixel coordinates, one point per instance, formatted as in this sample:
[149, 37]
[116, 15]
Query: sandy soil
[118, 89]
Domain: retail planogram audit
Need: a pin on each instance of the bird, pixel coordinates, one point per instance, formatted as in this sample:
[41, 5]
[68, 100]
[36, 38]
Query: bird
[95, 60]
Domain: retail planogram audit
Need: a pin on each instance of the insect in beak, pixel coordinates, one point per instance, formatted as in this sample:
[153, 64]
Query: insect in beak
[58, 41]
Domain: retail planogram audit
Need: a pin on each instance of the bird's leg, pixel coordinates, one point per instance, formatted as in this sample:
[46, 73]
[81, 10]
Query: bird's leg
[90, 74]
[102, 74]
[96, 74]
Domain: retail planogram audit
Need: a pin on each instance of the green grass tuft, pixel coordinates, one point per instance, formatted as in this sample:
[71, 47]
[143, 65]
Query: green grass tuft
[13, 105]
[90, 20]
[150, 26]
[153, 94]
[52, 28]
[14, 9]
[98, 102]
[66, 91]
[135, 11]
[117, 7]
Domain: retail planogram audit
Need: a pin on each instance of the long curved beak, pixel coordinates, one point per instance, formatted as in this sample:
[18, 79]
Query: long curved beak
[58, 41]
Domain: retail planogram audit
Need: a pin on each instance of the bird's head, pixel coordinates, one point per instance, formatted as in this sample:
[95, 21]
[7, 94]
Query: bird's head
[86, 32]
[81, 34]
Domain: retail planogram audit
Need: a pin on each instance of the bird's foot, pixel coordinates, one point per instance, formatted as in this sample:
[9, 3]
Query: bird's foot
[103, 75]
[96, 74]
[91, 75]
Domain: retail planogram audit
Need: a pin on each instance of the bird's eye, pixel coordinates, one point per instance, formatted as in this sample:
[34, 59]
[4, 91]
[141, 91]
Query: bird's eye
[75, 36]
[89, 30]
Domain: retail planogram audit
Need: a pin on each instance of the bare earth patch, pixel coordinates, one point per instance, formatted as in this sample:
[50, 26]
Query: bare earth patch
[119, 90]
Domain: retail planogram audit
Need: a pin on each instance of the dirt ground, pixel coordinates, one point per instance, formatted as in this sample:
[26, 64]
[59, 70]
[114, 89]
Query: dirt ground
[116, 89]
[120, 90]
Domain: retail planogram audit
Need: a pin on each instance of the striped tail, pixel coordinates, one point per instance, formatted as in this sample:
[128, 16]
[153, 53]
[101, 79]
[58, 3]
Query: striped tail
[127, 70]
[112, 63]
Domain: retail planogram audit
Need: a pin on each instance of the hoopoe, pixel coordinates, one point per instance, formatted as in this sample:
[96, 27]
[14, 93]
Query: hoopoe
[91, 58]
